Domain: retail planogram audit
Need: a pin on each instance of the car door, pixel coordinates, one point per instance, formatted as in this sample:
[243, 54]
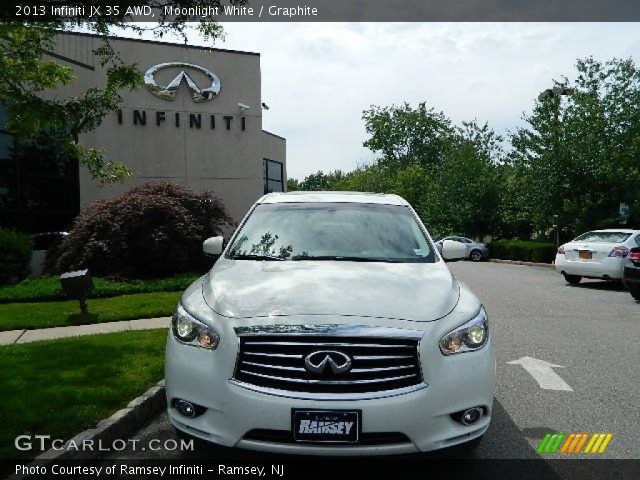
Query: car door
[467, 243]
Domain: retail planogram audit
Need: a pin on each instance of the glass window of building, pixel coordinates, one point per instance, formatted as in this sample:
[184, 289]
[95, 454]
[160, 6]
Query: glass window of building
[39, 183]
[273, 173]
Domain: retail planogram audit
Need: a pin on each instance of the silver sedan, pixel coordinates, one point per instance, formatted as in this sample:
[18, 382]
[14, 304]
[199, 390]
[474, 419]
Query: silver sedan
[476, 251]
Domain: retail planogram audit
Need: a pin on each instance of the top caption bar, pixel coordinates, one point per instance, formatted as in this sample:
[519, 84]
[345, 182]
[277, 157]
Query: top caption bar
[325, 10]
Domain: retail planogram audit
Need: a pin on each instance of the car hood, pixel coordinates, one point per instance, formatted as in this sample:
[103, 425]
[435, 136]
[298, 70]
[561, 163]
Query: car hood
[408, 291]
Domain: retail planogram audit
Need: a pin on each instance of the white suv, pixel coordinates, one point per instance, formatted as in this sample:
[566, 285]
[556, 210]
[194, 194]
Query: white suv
[598, 254]
[330, 325]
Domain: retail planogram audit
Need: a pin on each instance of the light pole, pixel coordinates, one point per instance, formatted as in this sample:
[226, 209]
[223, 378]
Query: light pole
[556, 91]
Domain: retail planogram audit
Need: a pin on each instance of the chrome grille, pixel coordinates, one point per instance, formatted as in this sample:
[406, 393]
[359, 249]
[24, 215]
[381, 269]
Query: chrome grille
[378, 363]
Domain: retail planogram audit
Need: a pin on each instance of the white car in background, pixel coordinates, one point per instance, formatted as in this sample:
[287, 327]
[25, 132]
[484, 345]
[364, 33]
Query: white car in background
[598, 254]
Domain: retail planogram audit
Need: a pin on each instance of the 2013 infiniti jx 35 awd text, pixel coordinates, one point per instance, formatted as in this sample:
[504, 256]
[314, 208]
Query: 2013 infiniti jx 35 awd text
[331, 325]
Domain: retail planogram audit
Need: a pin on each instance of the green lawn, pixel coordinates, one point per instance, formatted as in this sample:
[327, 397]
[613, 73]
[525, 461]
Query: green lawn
[62, 387]
[48, 288]
[14, 316]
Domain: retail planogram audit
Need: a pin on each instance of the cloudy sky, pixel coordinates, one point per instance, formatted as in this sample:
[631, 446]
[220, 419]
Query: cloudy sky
[317, 78]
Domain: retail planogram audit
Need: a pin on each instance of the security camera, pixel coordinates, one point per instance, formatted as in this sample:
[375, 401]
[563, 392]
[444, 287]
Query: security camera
[265, 106]
[243, 106]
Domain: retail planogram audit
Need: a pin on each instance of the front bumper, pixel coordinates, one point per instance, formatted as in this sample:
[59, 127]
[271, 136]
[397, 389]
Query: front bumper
[452, 384]
[609, 268]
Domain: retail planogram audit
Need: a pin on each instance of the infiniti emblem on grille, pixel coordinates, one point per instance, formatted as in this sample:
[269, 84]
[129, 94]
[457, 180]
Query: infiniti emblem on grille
[325, 361]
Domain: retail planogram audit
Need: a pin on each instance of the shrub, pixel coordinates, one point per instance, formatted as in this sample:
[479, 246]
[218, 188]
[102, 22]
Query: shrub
[154, 230]
[523, 250]
[15, 255]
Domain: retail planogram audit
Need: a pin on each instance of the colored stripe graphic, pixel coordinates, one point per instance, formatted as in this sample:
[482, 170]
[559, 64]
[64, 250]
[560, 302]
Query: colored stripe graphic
[582, 441]
[572, 443]
[551, 442]
[598, 443]
[567, 444]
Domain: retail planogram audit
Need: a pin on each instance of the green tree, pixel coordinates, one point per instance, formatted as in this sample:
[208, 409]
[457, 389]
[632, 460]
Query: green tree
[454, 184]
[293, 184]
[316, 181]
[463, 195]
[577, 157]
[27, 75]
[404, 135]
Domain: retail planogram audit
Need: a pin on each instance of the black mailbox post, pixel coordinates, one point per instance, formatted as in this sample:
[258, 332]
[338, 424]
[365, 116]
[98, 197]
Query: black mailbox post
[77, 285]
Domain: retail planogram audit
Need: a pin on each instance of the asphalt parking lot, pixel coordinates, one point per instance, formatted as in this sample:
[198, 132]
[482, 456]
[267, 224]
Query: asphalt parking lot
[589, 336]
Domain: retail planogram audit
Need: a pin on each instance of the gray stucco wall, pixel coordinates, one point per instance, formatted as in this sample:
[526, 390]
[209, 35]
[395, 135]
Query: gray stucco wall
[227, 161]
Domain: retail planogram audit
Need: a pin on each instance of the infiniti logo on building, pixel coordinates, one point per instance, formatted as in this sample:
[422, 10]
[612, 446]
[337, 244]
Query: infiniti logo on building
[169, 91]
[327, 361]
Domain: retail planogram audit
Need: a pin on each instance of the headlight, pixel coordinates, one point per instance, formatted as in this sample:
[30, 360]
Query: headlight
[190, 331]
[467, 337]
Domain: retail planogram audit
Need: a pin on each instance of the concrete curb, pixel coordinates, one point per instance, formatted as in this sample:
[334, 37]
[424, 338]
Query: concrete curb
[518, 262]
[117, 426]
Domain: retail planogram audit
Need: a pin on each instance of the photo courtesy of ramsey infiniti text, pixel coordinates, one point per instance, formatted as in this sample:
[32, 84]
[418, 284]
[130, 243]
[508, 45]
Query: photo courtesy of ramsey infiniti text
[331, 325]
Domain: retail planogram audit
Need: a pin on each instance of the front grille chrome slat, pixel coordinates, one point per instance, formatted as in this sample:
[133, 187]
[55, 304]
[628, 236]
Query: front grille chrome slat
[331, 345]
[381, 369]
[280, 355]
[381, 357]
[327, 382]
[278, 367]
[379, 364]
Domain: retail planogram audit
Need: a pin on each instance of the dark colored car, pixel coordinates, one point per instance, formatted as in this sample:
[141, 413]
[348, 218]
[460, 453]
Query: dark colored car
[631, 275]
[47, 240]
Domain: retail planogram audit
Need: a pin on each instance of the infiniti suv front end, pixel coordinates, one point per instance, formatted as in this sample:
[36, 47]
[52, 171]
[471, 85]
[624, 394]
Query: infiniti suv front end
[331, 325]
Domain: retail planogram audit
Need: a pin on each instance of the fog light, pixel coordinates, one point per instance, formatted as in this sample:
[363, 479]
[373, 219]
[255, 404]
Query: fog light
[471, 416]
[185, 408]
[188, 409]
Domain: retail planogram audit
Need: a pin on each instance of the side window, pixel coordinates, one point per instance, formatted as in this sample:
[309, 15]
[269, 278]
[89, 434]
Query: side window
[466, 240]
[273, 173]
[637, 240]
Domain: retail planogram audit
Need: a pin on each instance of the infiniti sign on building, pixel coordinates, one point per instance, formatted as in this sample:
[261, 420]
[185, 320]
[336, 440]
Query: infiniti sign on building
[196, 121]
[169, 91]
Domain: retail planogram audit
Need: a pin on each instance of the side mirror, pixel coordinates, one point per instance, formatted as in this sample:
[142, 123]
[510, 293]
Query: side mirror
[213, 245]
[452, 251]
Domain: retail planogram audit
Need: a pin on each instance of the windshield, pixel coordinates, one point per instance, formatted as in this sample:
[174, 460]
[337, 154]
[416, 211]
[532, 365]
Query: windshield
[331, 231]
[603, 237]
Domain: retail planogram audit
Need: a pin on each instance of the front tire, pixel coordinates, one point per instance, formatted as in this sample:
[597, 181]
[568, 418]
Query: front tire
[572, 279]
[476, 255]
[634, 290]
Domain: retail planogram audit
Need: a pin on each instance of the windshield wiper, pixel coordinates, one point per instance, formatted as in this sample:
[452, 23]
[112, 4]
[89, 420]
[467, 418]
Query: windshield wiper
[341, 258]
[256, 257]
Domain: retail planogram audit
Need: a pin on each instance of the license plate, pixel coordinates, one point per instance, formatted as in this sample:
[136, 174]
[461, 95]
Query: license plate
[586, 255]
[326, 426]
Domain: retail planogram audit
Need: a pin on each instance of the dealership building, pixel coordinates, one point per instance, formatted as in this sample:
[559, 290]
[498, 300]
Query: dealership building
[196, 121]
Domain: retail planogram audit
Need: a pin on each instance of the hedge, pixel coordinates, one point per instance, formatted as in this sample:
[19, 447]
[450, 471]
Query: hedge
[43, 289]
[15, 255]
[523, 250]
